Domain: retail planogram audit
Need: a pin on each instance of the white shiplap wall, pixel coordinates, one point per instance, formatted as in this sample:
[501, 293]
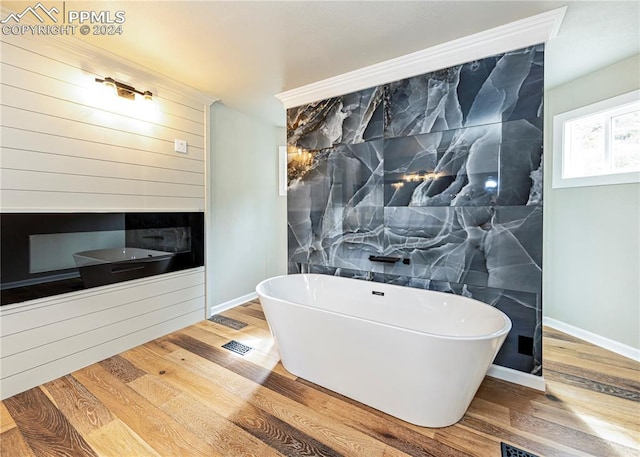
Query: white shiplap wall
[66, 148]
[65, 144]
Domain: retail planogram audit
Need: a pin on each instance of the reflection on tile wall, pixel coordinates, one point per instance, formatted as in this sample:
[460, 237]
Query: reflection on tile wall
[444, 169]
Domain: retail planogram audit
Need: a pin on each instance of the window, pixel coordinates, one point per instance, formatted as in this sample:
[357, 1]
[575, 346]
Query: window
[598, 144]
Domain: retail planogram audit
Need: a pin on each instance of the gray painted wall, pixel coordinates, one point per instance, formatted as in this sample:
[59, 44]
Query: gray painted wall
[591, 272]
[247, 217]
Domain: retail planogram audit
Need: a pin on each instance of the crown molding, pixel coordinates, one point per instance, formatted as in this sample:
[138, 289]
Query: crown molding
[514, 35]
[96, 60]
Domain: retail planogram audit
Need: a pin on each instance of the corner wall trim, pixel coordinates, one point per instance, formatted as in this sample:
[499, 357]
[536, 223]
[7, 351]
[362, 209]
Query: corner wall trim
[514, 35]
[232, 303]
[601, 341]
[517, 377]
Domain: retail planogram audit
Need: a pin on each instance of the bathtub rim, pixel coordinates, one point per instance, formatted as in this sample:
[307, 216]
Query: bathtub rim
[497, 334]
[100, 261]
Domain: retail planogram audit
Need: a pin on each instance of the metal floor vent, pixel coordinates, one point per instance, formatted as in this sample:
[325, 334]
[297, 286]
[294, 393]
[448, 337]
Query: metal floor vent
[510, 451]
[236, 347]
[228, 322]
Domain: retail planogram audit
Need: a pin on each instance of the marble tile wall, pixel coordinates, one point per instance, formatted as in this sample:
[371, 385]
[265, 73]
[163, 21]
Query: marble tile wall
[443, 169]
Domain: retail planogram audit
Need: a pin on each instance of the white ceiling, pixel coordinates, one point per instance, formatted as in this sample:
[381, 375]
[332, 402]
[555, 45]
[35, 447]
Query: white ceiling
[244, 52]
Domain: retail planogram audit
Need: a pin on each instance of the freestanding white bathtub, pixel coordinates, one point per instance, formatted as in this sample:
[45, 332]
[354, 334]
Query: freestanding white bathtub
[415, 354]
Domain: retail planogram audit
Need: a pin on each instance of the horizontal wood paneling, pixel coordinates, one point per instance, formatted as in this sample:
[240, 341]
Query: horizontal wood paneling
[18, 83]
[20, 317]
[91, 117]
[28, 140]
[44, 338]
[88, 336]
[77, 183]
[38, 201]
[34, 121]
[60, 135]
[44, 162]
[59, 367]
[18, 343]
[39, 60]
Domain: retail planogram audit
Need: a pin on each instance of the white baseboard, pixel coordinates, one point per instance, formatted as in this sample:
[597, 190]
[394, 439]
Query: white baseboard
[517, 377]
[232, 303]
[605, 343]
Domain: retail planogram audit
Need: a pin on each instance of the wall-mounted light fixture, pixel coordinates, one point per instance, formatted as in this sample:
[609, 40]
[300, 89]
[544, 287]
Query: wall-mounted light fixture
[124, 90]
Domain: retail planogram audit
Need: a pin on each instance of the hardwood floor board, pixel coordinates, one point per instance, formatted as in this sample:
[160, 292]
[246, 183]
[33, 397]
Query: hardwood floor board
[631, 384]
[116, 439]
[225, 404]
[576, 439]
[322, 428]
[595, 386]
[531, 442]
[149, 386]
[255, 340]
[81, 408]
[469, 441]
[266, 359]
[161, 346]
[121, 368]
[568, 359]
[220, 401]
[233, 362]
[250, 332]
[200, 408]
[588, 354]
[393, 452]
[507, 395]
[12, 443]
[222, 434]
[606, 360]
[44, 428]
[390, 431]
[209, 335]
[6, 421]
[553, 334]
[608, 408]
[163, 434]
[287, 440]
[588, 424]
[245, 316]
[486, 409]
[255, 311]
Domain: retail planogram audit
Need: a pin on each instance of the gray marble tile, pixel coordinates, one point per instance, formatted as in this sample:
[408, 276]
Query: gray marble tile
[442, 243]
[496, 89]
[513, 249]
[348, 119]
[452, 168]
[497, 247]
[336, 210]
[496, 164]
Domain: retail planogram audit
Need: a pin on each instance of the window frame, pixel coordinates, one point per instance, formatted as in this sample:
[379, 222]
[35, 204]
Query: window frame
[560, 155]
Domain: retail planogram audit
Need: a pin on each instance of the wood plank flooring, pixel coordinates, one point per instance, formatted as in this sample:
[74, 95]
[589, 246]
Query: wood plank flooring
[184, 395]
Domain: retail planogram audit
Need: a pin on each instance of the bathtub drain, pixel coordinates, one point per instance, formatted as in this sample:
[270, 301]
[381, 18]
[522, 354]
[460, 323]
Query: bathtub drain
[236, 347]
[510, 451]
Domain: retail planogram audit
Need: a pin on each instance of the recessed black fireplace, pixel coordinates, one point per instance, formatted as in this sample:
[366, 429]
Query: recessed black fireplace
[50, 254]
